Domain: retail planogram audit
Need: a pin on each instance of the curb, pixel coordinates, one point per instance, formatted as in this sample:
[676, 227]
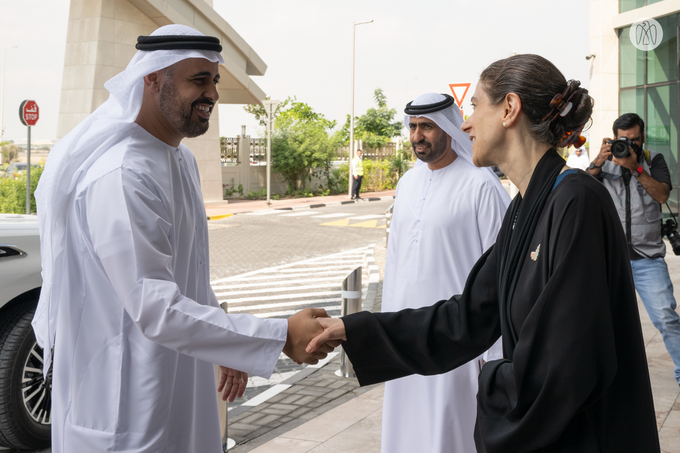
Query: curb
[303, 207]
[218, 217]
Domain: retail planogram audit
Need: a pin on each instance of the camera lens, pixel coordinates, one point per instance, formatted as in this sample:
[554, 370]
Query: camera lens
[620, 149]
[674, 239]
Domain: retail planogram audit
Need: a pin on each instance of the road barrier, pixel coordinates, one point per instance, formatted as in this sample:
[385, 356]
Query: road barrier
[351, 303]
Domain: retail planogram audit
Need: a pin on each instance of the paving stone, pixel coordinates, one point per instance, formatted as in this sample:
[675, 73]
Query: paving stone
[303, 401]
[273, 411]
[252, 418]
[291, 399]
[319, 401]
[335, 385]
[285, 419]
[242, 427]
[268, 418]
[280, 406]
[335, 393]
[277, 398]
[299, 411]
[314, 391]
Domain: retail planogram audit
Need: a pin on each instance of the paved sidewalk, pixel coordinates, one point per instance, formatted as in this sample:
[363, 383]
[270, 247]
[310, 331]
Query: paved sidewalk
[355, 425]
[221, 209]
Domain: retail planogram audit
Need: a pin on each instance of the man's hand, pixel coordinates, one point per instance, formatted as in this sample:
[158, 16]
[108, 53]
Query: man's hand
[332, 335]
[233, 383]
[602, 157]
[630, 162]
[302, 327]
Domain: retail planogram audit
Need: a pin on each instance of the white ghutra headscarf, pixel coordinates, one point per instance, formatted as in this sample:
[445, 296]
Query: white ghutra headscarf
[450, 120]
[75, 153]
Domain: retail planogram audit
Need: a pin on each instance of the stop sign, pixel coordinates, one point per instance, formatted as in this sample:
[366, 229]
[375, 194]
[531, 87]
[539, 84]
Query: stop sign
[29, 113]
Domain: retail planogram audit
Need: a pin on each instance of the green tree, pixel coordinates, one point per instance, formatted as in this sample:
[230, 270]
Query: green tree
[260, 113]
[302, 142]
[377, 126]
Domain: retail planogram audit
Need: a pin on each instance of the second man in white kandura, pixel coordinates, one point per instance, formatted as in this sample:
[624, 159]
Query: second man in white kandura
[446, 215]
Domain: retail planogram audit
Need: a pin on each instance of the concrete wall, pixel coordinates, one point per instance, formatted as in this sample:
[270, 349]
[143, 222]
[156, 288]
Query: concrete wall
[100, 43]
[604, 71]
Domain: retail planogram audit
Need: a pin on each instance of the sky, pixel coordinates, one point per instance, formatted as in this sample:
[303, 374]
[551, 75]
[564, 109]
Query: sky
[410, 48]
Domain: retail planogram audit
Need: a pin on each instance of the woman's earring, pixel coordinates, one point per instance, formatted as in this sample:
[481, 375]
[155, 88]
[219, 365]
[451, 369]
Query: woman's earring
[504, 125]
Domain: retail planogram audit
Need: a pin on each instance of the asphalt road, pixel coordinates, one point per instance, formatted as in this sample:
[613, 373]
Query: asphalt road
[247, 242]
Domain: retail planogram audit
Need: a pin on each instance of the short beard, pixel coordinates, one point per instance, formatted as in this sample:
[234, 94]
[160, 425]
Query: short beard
[437, 149]
[178, 112]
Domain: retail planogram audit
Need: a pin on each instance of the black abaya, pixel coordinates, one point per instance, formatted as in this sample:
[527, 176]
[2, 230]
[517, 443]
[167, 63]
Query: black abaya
[557, 285]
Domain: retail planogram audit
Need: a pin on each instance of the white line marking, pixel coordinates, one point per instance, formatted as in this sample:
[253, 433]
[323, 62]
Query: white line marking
[266, 212]
[298, 214]
[301, 303]
[329, 280]
[332, 216]
[368, 217]
[291, 312]
[278, 268]
[271, 276]
[287, 288]
[280, 296]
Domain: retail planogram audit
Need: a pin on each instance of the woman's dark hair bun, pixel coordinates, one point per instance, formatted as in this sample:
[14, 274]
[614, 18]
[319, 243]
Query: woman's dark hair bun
[537, 82]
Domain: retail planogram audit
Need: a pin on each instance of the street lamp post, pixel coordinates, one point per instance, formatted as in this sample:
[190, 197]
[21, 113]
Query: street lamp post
[351, 114]
[2, 93]
[270, 109]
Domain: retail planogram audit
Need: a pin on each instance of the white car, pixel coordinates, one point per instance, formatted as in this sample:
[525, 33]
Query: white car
[25, 396]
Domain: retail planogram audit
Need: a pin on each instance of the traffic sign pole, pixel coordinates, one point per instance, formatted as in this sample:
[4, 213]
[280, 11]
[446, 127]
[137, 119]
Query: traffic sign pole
[29, 114]
[28, 173]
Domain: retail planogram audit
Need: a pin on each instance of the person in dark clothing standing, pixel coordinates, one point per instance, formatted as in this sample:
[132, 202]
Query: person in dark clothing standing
[357, 174]
[639, 183]
[574, 374]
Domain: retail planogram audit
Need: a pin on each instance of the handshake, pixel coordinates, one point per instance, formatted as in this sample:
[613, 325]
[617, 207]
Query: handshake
[312, 334]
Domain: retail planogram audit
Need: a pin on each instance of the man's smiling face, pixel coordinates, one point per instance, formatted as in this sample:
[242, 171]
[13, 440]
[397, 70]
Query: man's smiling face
[429, 141]
[189, 94]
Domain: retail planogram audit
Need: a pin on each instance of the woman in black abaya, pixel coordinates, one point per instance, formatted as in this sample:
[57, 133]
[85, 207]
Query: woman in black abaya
[557, 286]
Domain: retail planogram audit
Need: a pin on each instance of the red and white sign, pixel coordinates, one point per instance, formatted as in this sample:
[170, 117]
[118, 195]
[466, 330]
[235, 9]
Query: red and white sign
[459, 91]
[29, 113]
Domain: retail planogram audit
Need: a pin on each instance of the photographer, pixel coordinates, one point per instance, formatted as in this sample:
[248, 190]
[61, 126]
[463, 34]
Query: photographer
[638, 184]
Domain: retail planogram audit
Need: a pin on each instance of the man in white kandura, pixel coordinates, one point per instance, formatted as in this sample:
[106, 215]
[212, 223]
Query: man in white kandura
[446, 215]
[126, 301]
[579, 159]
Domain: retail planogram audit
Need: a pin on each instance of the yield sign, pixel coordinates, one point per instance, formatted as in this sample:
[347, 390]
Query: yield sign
[461, 88]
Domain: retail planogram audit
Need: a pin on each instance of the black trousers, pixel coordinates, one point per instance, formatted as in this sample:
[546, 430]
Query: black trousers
[356, 187]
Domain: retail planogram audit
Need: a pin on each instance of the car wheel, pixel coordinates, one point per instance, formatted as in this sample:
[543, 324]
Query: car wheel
[25, 397]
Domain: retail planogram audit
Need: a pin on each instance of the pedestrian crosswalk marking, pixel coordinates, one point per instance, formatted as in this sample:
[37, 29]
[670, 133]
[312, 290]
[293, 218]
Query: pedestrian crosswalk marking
[332, 216]
[367, 224]
[299, 214]
[270, 283]
[281, 291]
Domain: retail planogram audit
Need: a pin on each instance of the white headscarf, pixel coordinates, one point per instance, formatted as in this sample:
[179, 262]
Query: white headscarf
[450, 120]
[76, 152]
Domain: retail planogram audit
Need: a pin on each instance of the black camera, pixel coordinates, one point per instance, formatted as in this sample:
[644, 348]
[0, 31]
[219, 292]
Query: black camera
[670, 230]
[621, 147]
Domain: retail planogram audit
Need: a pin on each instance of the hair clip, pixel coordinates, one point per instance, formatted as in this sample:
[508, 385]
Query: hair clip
[561, 104]
[573, 138]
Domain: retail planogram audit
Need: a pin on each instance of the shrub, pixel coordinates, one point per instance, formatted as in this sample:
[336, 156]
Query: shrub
[13, 192]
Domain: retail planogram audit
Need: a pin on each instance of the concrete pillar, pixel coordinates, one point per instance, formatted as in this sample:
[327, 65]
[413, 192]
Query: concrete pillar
[244, 162]
[206, 150]
[100, 42]
[604, 71]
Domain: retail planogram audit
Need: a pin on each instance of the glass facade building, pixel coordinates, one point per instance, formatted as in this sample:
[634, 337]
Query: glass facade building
[649, 86]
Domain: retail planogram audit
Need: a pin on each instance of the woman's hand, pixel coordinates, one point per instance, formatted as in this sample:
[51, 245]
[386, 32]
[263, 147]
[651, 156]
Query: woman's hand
[333, 334]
